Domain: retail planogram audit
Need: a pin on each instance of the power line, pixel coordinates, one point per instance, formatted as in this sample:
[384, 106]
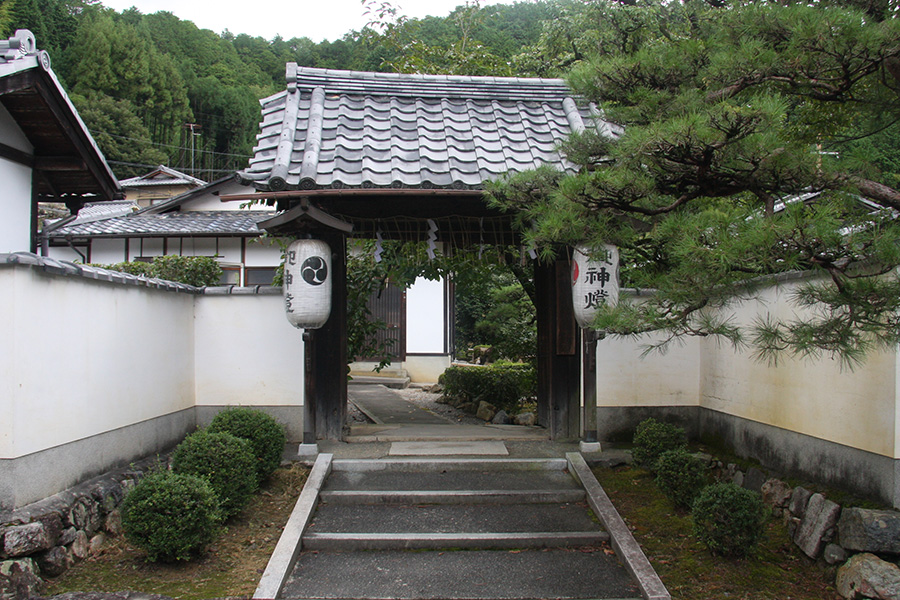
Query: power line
[161, 145]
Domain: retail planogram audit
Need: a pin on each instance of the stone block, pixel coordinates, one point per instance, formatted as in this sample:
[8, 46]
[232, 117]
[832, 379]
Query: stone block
[86, 515]
[754, 479]
[486, 411]
[501, 418]
[867, 576]
[776, 493]
[817, 527]
[19, 579]
[799, 499]
[81, 546]
[865, 530]
[23, 540]
[834, 554]
[54, 562]
[526, 419]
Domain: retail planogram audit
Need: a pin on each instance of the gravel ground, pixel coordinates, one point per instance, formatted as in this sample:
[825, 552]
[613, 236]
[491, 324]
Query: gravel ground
[422, 399]
[429, 402]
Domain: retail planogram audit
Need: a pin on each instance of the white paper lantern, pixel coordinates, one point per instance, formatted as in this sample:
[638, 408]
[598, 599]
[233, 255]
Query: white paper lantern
[595, 281]
[307, 283]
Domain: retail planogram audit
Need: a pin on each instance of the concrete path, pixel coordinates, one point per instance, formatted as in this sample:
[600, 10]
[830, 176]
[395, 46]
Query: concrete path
[397, 420]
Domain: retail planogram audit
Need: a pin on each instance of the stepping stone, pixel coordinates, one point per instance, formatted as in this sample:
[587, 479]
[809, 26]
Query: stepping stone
[448, 448]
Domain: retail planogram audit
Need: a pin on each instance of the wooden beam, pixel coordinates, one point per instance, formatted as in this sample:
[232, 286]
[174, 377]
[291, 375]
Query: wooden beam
[16, 155]
[59, 163]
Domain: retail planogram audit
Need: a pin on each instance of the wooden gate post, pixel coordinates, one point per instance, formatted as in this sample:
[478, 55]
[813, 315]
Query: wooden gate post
[559, 364]
[327, 349]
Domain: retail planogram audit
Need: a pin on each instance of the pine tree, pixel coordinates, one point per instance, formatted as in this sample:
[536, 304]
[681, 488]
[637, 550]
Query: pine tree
[730, 117]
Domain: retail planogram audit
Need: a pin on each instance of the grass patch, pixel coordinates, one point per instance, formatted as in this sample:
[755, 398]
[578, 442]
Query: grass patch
[231, 568]
[778, 569]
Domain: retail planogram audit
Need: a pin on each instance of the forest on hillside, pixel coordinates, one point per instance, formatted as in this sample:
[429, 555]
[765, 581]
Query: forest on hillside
[155, 89]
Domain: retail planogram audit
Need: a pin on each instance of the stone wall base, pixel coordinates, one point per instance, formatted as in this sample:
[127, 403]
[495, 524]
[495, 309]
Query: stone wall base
[35, 476]
[786, 452]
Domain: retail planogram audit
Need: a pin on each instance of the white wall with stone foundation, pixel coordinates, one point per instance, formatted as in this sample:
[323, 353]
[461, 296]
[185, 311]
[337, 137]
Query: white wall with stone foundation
[94, 374]
[810, 417]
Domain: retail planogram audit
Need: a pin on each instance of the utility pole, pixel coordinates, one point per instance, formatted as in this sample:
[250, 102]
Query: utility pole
[195, 128]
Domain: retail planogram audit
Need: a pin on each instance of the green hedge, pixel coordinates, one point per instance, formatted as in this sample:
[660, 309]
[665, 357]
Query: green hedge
[170, 516]
[226, 462]
[728, 519]
[266, 436]
[198, 271]
[681, 476]
[502, 384]
[652, 438]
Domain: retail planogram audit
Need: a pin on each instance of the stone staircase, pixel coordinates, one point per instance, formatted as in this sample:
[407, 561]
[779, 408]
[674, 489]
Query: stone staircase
[452, 528]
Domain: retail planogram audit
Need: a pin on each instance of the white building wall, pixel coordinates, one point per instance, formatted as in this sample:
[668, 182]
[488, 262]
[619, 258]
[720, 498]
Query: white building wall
[425, 311]
[15, 202]
[103, 251]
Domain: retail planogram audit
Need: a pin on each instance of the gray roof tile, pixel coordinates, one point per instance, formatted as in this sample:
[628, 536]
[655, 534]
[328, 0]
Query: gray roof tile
[176, 224]
[355, 129]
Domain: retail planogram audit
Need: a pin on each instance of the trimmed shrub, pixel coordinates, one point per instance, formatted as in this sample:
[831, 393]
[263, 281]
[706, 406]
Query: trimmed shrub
[652, 438]
[728, 519]
[226, 462]
[681, 476]
[502, 384]
[265, 435]
[170, 516]
[198, 271]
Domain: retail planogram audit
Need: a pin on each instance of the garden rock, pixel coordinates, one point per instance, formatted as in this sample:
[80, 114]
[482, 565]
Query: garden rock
[98, 542]
[468, 407]
[113, 523]
[867, 576]
[738, 478]
[19, 579]
[834, 554]
[81, 546]
[501, 418]
[799, 499]
[817, 527]
[754, 479]
[55, 561]
[486, 411]
[526, 419]
[22, 540]
[865, 530]
[86, 515]
[776, 493]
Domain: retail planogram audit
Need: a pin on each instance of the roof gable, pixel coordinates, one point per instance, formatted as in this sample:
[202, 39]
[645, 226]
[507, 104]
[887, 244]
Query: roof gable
[161, 176]
[64, 152]
[347, 129]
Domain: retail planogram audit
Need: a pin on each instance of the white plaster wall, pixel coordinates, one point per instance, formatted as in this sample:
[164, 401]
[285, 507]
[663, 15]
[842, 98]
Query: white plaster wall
[815, 397]
[262, 252]
[246, 352]
[82, 358]
[425, 328]
[425, 369]
[107, 251]
[15, 207]
[626, 378]
[15, 202]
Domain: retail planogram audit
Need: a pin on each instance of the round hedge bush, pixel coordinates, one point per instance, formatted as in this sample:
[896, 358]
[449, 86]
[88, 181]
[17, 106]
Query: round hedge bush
[652, 438]
[170, 516]
[226, 462]
[265, 435]
[728, 519]
[681, 476]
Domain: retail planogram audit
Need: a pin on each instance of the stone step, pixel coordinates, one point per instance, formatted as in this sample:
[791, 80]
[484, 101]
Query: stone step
[452, 518]
[448, 479]
[396, 382]
[489, 574]
[354, 542]
[451, 497]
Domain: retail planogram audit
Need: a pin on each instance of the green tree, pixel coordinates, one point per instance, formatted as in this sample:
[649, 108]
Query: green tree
[723, 115]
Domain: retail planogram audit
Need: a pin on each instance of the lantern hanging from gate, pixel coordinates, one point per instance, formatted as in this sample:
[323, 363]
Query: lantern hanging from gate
[595, 281]
[307, 283]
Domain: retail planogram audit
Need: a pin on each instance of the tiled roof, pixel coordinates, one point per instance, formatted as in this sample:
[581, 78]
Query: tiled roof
[346, 129]
[162, 175]
[69, 159]
[176, 224]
